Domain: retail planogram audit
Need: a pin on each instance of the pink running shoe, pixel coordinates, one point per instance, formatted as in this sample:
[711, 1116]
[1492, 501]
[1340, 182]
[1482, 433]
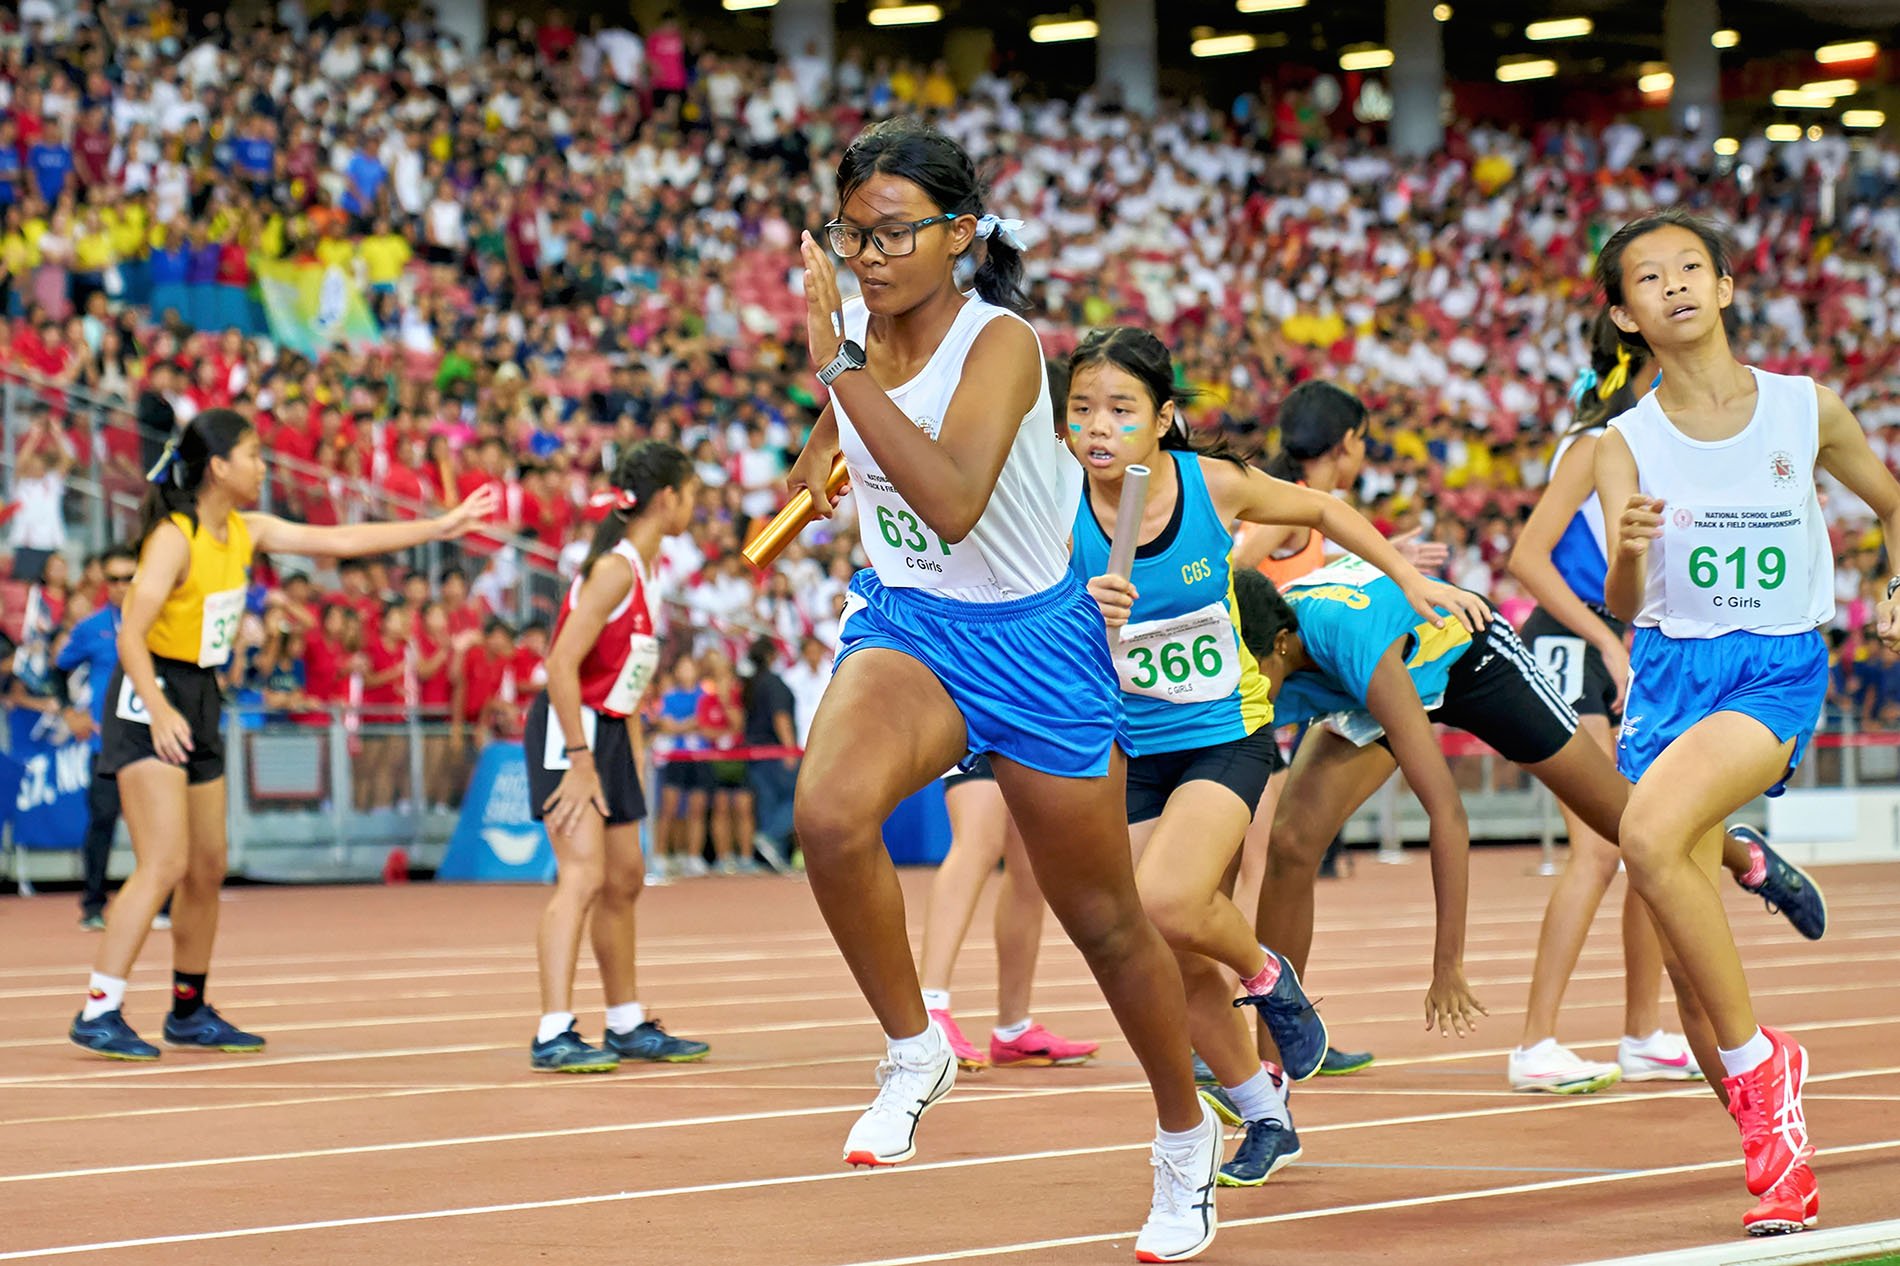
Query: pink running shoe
[969, 1059]
[1039, 1048]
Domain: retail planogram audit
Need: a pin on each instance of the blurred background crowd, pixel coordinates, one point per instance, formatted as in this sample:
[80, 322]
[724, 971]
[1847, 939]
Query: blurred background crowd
[583, 234]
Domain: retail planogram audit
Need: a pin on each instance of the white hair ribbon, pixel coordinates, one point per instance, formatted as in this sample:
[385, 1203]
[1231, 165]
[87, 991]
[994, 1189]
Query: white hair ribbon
[1006, 229]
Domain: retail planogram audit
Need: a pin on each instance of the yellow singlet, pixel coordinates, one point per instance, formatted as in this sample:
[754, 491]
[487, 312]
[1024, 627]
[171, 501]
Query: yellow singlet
[199, 620]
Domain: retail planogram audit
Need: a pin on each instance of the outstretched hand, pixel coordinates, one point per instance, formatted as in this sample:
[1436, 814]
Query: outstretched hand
[824, 309]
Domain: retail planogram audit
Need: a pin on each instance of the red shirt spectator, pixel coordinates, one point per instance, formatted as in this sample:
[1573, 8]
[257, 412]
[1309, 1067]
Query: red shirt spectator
[483, 674]
[435, 685]
[383, 683]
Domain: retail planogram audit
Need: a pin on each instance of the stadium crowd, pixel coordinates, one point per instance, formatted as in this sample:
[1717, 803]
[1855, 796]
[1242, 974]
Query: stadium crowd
[571, 239]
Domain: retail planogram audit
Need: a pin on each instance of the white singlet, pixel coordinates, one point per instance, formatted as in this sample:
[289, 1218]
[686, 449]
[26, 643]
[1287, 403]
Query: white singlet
[1744, 545]
[1020, 544]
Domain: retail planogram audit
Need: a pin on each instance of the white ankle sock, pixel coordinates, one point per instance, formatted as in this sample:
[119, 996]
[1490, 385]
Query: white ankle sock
[553, 1024]
[626, 1017]
[1748, 1056]
[1010, 1032]
[917, 1047]
[103, 994]
[936, 999]
[1546, 1047]
[1259, 1099]
[1184, 1141]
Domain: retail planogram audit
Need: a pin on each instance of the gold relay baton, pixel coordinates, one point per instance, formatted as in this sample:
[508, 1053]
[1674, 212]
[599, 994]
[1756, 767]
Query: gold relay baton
[772, 539]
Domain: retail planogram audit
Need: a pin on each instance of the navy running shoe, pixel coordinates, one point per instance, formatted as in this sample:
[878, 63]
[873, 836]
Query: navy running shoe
[1203, 1075]
[565, 1052]
[1340, 1063]
[1215, 1096]
[206, 1030]
[1292, 1022]
[1787, 890]
[1267, 1148]
[651, 1042]
[109, 1035]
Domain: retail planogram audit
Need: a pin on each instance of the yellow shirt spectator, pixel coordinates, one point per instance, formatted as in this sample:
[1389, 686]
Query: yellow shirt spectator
[21, 255]
[940, 91]
[904, 84]
[92, 250]
[335, 252]
[1408, 443]
[384, 256]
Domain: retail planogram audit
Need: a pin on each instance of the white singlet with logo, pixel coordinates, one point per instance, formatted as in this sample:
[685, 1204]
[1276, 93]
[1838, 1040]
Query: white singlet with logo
[1020, 545]
[1744, 545]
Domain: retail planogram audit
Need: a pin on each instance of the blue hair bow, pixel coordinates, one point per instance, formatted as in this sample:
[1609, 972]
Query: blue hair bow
[1586, 382]
[167, 464]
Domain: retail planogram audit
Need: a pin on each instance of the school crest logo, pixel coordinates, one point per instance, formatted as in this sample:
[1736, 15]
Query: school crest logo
[1683, 518]
[1781, 468]
[928, 425]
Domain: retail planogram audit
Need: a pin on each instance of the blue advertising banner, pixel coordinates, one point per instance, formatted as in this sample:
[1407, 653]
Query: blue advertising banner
[496, 840]
[47, 804]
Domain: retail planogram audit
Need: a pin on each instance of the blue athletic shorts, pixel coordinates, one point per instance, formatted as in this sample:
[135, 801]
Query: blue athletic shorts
[1780, 681]
[1032, 676]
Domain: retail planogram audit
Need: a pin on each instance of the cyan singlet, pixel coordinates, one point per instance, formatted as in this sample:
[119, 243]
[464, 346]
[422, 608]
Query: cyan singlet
[1187, 678]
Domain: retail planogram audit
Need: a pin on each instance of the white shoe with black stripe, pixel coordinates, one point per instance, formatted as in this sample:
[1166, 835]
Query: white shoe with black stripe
[1181, 1222]
[907, 1086]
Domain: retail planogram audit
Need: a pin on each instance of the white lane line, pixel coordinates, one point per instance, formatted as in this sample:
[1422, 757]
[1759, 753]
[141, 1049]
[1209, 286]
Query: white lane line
[528, 1206]
[975, 1096]
[1379, 1206]
[1835, 1244]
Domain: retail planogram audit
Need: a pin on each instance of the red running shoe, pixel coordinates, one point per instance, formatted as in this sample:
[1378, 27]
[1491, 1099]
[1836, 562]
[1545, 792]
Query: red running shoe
[1793, 1204]
[1037, 1047]
[969, 1059]
[1766, 1105]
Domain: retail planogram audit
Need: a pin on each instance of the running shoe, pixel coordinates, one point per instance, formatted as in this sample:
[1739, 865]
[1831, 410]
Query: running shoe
[649, 1041]
[1181, 1220]
[1662, 1056]
[109, 1035]
[93, 922]
[907, 1088]
[1766, 1104]
[1267, 1148]
[1292, 1023]
[1552, 1069]
[1342, 1063]
[1784, 888]
[1793, 1204]
[206, 1030]
[1037, 1047]
[1203, 1075]
[162, 923]
[969, 1059]
[566, 1052]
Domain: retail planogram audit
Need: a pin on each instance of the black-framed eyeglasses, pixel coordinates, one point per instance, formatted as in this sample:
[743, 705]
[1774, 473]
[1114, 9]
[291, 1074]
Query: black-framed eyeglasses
[895, 238]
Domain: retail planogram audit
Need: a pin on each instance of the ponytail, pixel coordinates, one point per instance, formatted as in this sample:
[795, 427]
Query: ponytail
[1608, 385]
[178, 477]
[645, 469]
[999, 270]
[1313, 421]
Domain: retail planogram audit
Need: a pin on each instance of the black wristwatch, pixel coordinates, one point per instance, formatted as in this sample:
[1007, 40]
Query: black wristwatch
[850, 356]
[1892, 585]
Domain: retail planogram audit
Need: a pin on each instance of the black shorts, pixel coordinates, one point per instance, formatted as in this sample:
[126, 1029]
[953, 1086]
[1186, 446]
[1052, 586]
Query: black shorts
[979, 771]
[686, 776]
[613, 761]
[727, 775]
[1497, 694]
[1572, 664]
[126, 737]
[1243, 766]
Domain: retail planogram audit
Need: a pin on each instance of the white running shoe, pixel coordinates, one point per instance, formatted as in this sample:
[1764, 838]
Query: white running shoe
[1552, 1069]
[1181, 1221]
[1662, 1056]
[887, 1132]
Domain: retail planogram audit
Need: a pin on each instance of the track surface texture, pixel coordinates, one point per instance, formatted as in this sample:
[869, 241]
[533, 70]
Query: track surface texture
[394, 1117]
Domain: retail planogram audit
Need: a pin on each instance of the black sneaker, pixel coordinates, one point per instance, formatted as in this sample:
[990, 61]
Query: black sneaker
[567, 1053]
[1267, 1148]
[649, 1041]
[1787, 890]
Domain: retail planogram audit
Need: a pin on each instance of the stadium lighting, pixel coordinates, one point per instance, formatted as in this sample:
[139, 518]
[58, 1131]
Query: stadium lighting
[1441, 13]
[1268, 6]
[1847, 51]
[1058, 30]
[1559, 29]
[1373, 58]
[1795, 99]
[1519, 71]
[1783, 132]
[1727, 37]
[738, 6]
[905, 15]
[1223, 45]
[1656, 81]
[1814, 131]
[1832, 87]
[1727, 146]
[1863, 118]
